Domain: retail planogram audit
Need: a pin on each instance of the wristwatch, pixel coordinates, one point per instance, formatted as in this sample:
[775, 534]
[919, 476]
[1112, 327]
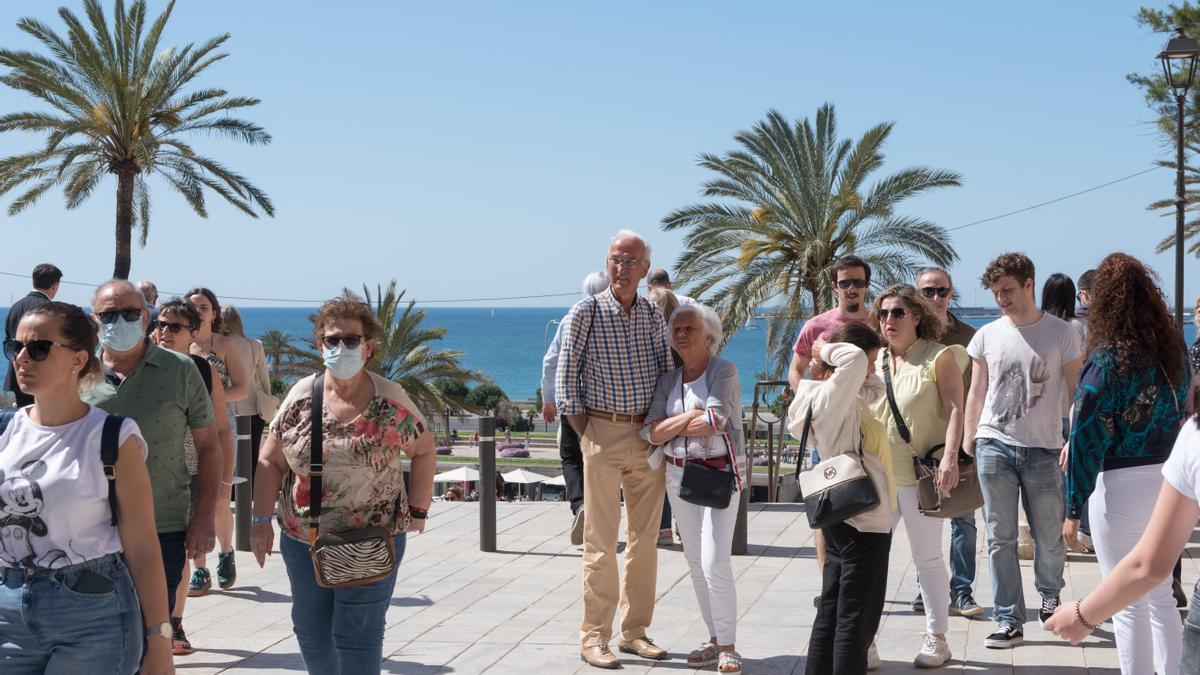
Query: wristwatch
[160, 630]
[419, 514]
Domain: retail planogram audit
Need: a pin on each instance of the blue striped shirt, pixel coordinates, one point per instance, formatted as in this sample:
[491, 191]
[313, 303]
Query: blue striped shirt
[610, 360]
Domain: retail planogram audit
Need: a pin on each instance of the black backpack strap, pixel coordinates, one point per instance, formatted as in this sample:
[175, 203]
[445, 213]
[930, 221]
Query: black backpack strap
[110, 444]
[891, 397]
[205, 369]
[316, 465]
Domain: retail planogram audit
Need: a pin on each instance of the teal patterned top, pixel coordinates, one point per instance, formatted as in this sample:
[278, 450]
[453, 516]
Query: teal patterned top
[1120, 421]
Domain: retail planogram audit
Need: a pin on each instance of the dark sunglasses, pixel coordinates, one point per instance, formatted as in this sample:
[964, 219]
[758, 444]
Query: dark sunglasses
[351, 341]
[37, 350]
[897, 314]
[847, 283]
[173, 327]
[127, 314]
[940, 291]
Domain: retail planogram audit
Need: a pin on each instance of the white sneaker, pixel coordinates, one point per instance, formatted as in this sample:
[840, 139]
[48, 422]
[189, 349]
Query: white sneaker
[934, 652]
[872, 656]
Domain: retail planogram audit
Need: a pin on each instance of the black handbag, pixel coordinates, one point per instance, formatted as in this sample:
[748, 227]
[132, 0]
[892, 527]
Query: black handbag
[837, 488]
[704, 485]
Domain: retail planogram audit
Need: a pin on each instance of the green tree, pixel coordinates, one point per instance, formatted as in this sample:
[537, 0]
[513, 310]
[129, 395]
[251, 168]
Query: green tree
[457, 391]
[121, 106]
[794, 198]
[285, 360]
[487, 397]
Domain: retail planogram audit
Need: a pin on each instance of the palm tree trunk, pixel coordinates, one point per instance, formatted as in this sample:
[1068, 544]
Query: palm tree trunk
[124, 224]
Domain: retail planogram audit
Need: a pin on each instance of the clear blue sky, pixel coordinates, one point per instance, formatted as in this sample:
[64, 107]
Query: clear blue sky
[484, 149]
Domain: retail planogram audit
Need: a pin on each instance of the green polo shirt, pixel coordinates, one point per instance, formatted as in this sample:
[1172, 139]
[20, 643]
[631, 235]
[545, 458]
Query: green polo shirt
[165, 396]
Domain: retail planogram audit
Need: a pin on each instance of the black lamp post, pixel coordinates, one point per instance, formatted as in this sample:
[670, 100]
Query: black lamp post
[1179, 66]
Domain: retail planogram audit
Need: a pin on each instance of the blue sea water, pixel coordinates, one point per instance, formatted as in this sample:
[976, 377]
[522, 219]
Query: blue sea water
[508, 343]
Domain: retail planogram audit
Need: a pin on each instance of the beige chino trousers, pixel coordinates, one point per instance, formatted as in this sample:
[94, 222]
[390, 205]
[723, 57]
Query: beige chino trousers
[614, 459]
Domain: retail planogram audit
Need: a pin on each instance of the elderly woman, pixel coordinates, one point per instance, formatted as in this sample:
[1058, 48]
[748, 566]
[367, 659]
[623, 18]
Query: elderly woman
[368, 424]
[696, 416]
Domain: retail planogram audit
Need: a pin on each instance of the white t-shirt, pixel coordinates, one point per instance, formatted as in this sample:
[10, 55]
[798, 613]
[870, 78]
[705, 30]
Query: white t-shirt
[1024, 403]
[53, 493]
[1182, 469]
[694, 397]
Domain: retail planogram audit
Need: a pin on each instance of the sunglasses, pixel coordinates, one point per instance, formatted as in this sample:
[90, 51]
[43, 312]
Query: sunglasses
[351, 341]
[939, 291]
[173, 327]
[37, 350]
[848, 283]
[896, 312]
[111, 315]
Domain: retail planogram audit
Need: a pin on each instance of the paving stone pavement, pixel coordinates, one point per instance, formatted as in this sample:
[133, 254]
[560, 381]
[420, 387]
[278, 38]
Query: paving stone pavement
[457, 610]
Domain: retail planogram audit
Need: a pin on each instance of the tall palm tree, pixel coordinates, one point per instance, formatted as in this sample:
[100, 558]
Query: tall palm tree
[120, 107]
[287, 360]
[794, 198]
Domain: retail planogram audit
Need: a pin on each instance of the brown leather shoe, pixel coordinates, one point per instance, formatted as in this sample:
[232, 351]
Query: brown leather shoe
[643, 647]
[600, 656]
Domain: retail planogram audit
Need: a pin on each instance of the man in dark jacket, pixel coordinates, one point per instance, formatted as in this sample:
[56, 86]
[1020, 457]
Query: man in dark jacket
[46, 278]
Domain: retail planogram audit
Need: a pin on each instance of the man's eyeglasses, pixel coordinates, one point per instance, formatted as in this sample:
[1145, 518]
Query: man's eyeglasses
[896, 312]
[174, 328]
[618, 261]
[37, 350]
[939, 291]
[351, 341]
[111, 315]
[848, 283]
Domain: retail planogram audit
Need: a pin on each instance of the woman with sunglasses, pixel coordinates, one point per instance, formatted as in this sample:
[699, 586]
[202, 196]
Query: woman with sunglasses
[79, 588]
[926, 383]
[175, 331]
[369, 426]
[222, 354]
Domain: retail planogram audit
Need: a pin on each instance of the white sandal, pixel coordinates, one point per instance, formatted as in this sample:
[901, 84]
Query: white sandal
[729, 662]
[704, 655]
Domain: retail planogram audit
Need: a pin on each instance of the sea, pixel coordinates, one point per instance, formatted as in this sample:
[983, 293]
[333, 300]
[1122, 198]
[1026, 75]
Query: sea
[508, 343]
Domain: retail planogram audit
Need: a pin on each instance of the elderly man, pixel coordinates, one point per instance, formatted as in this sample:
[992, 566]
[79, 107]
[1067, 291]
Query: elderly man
[613, 350]
[163, 392]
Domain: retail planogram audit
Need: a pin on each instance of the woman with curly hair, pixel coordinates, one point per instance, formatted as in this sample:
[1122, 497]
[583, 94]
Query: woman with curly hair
[1128, 409]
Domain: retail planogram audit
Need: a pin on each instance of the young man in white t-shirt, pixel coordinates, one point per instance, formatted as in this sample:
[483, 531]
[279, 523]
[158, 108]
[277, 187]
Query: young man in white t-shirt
[1022, 365]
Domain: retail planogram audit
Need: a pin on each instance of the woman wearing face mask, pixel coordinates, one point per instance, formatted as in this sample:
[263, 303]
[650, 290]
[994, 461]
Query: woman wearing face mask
[369, 426]
[222, 354]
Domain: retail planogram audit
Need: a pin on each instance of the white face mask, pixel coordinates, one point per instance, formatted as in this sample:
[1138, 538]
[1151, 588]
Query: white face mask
[343, 363]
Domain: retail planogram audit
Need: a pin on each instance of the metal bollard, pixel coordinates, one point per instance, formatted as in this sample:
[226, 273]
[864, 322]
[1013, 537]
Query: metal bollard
[243, 492]
[487, 484]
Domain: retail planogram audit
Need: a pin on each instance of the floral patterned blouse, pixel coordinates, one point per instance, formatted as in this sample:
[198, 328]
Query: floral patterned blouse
[363, 482]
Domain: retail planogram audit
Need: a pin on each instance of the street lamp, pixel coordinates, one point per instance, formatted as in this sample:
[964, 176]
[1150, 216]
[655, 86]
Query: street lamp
[1179, 66]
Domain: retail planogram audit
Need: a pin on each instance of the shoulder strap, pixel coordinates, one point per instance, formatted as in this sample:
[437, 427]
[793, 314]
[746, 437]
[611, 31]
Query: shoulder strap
[205, 369]
[587, 338]
[110, 444]
[316, 458]
[804, 440]
[891, 397]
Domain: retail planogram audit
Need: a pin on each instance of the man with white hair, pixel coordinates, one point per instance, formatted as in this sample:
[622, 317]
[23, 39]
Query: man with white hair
[614, 349]
[568, 440]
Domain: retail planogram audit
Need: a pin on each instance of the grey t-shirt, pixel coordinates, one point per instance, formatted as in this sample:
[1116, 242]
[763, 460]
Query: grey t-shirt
[1025, 384]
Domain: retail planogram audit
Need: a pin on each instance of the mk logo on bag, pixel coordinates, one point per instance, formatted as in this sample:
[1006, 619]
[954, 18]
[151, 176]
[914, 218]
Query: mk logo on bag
[830, 472]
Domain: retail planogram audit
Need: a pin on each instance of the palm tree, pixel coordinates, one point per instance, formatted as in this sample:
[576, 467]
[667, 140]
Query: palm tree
[286, 360]
[120, 107]
[794, 199]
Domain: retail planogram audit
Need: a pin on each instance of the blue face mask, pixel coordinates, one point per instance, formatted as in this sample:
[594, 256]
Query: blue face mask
[343, 363]
[121, 335]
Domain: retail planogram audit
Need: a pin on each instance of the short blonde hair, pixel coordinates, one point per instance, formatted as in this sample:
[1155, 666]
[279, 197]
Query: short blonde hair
[665, 299]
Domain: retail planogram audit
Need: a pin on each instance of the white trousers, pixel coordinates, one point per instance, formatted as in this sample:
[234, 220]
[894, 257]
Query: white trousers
[1148, 631]
[925, 540]
[707, 545]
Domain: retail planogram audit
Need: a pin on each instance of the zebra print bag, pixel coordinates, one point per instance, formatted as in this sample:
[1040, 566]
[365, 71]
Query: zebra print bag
[341, 559]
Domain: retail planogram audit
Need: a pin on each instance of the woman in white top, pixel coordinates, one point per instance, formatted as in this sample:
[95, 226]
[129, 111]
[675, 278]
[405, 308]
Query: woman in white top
[696, 416]
[69, 565]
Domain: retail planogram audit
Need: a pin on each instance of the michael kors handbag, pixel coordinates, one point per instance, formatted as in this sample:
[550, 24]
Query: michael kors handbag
[835, 489]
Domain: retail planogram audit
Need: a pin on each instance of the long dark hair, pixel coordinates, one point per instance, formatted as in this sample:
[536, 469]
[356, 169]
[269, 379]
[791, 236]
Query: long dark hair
[216, 306]
[1128, 315]
[856, 334]
[1058, 296]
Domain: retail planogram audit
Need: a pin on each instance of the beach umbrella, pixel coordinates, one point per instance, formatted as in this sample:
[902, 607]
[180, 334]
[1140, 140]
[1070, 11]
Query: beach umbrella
[462, 473]
[559, 480]
[523, 476]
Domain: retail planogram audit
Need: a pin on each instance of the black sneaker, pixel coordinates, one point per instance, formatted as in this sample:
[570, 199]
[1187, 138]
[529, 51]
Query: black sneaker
[1005, 638]
[918, 604]
[1047, 610]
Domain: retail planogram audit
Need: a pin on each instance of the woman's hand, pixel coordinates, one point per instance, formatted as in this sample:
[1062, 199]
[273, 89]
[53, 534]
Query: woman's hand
[1063, 457]
[948, 472]
[415, 526]
[817, 345]
[1070, 533]
[262, 540]
[158, 659]
[1066, 625]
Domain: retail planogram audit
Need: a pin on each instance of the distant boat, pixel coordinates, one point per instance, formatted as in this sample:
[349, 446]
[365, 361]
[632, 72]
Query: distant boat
[493, 312]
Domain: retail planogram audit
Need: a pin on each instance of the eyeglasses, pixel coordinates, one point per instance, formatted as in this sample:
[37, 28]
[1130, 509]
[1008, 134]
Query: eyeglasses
[939, 291]
[351, 341]
[111, 315]
[37, 350]
[847, 283]
[173, 327]
[618, 261]
[897, 314]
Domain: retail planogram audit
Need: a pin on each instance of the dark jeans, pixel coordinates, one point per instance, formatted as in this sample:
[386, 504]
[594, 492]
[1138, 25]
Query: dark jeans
[963, 536]
[174, 551]
[1190, 662]
[665, 522]
[572, 462]
[855, 581]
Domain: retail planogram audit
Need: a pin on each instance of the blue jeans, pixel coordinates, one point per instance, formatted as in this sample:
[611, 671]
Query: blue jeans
[47, 627]
[963, 536]
[1006, 473]
[340, 631]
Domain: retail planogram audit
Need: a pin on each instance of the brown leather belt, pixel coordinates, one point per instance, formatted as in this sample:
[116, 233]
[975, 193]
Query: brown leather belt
[615, 417]
[711, 462]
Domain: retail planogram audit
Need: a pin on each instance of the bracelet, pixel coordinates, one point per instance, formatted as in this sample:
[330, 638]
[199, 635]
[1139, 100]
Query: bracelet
[1082, 620]
[419, 514]
[260, 519]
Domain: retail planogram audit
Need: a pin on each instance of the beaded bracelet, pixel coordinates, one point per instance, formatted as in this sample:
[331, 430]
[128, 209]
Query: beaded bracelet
[1079, 615]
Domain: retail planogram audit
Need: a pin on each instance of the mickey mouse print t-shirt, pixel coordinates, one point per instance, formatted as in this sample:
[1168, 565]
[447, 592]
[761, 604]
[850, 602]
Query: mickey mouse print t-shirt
[1025, 390]
[53, 494]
